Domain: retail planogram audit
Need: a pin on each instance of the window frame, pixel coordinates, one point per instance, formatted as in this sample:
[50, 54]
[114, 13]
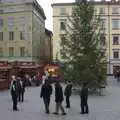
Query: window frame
[114, 42]
[1, 36]
[117, 24]
[11, 35]
[11, 51]
[22, 54]
[1, 52]
[115, 10]
[22, 35]
[117, 55]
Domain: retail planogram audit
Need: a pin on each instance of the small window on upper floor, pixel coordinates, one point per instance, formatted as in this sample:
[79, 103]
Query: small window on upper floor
[1, 36]
[115, 24]
[115, 40]
[62, 25]
[22, 35]
[1, 22]
[22, 51]
[1, 52]
[62, 11]
[10, 22]
[116, 54]
[115, 10]
[11, 51]
[102, 11]
[11, 35]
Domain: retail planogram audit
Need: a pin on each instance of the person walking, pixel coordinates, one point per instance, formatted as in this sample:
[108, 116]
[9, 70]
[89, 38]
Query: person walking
[67, 93]
[46, 92]
[14, 92]
[59, 99]
[84, 99]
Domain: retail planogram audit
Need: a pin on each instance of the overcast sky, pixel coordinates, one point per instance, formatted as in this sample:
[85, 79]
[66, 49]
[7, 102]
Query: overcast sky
[46, 5]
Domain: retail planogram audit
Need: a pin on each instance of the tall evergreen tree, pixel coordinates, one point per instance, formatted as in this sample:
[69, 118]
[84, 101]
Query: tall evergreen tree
[83, 47]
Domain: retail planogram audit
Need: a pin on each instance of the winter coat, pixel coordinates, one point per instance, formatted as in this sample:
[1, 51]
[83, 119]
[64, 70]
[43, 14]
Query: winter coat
[84, 94]
[46, 91]
[68, 90]
[58, 93]
[14, 88]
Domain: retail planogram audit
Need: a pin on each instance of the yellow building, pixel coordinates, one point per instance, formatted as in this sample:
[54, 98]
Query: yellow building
[109, 12]
[22, 30]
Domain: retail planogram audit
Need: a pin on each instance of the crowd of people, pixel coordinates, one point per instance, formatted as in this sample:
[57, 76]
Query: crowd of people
[17, 90]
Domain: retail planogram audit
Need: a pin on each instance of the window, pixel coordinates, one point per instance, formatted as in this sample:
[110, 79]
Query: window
[63, 24]
[22, 35]
[62, 11]
[1, 10]
[115, 10]
[11, 51]
[1, 36]
[102, 11]
[11, 35]
[115, 40]
[1, 22]
[1, 52]
[22, 21]
[115, 54]
[115, 24]
[10, 22]
[22, 51]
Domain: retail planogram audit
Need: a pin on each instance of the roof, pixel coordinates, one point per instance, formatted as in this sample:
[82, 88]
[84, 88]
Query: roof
[48, 32]
[39, 8]
[113, 2]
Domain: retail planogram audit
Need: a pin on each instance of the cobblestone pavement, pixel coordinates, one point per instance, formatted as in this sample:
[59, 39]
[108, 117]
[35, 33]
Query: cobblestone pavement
[105, 107]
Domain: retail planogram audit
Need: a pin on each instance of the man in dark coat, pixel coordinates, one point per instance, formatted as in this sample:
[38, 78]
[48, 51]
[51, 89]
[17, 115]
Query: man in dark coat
[59, 98]
[84, 99]
[46, 92]
[21, 89]
[14, 94]
[67, 93]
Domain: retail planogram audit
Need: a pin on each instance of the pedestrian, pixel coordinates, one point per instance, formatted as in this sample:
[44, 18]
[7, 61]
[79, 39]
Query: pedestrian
[67, 93]
[46, 92]
[14, 92]
[84, 99]
[21, 89]
[59, 98]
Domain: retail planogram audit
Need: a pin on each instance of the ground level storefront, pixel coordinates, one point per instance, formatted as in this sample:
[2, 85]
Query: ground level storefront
[19, 69]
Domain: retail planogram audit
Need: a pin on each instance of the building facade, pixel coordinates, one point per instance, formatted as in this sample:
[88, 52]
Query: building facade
[22, 30]
[48, 49]
[109, 12]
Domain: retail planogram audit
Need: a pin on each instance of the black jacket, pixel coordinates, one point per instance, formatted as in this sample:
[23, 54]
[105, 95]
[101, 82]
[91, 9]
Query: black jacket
[14, 89]
[58, 93]
[68, 90]
[84, 93]
[46, 91]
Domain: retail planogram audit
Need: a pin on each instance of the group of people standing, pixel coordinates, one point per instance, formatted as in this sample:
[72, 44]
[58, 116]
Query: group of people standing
[17, 90]
[46, 92]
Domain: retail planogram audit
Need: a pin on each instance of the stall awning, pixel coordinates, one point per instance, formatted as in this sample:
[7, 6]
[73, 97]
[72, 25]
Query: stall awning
[28, 67]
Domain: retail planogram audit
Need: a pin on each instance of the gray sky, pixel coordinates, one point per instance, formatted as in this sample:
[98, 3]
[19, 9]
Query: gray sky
[46, 5]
